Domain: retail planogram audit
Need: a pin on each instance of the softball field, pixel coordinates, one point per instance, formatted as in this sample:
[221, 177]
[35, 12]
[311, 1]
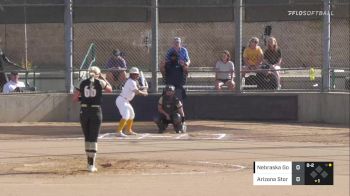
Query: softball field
[212, 158]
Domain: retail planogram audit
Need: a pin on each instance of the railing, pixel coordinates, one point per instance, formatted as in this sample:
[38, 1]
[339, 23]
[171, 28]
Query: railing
[88, 61]
[199, 80]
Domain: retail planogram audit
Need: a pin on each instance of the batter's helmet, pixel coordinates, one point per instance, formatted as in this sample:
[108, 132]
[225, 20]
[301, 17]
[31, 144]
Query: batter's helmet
[169, 88]
[134, 70]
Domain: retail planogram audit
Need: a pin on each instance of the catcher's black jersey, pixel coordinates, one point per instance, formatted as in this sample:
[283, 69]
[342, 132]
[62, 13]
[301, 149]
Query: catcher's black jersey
[170, 104]
[91, 92]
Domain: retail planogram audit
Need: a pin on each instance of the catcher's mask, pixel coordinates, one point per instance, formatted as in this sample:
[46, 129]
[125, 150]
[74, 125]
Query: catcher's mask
[170, 88]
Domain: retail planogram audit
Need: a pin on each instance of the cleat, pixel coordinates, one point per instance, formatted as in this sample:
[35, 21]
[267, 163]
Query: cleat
[120, 134]
[130, 133]
[92, 168]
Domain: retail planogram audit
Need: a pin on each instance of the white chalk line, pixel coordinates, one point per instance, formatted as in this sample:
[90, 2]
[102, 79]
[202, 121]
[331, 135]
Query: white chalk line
[219, 136]
[238, 167]
[143, 136]
[112, 136]
[234, 168]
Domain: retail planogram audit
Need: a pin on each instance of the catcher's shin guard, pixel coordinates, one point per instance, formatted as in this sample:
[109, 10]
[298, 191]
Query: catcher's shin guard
[177, 122]
[161, 124]
[181, 128]
[177, 119]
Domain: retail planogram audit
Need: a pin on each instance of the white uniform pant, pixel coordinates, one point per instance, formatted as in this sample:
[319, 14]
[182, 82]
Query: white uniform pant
[125, 108]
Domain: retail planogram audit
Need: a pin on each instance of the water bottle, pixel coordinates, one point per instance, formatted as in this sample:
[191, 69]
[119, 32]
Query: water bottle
[312, 74]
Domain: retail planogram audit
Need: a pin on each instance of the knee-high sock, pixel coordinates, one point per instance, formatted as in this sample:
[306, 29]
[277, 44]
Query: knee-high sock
[91, 150]
[122, 123]
[129, 124]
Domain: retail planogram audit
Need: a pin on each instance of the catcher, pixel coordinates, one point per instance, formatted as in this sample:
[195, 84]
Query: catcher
[170, 111]
[89, 93]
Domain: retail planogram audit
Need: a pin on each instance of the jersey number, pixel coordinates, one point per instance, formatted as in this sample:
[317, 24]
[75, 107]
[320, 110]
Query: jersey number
[89, 92]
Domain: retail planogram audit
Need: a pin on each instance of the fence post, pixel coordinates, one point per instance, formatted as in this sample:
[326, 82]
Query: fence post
[155, 22]
[326, 46]
[238, 44]
[68, 35]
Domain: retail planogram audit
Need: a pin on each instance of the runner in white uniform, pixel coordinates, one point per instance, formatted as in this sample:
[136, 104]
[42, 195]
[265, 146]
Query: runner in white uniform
[129, 91]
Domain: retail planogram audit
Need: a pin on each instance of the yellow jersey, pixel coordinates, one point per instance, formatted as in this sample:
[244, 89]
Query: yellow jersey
[253, 55]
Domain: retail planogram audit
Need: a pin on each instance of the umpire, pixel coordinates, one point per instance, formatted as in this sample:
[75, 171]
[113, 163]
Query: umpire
[176, 75]
[89, 93]
[170, 111]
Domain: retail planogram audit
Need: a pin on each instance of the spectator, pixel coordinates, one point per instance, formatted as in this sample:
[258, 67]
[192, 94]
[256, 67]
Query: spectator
[175, 67]
[273, 58]
[117, 69]
[224, 71]
[3, 60]
[252, 56]
[183, 60]
[170, 110]
[14, 85]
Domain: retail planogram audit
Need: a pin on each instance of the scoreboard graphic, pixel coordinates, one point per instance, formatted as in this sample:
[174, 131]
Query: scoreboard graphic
[293, 173]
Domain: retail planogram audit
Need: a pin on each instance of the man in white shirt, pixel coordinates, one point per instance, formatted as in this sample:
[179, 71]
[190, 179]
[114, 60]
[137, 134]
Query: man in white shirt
[129, 91]
[14, 85]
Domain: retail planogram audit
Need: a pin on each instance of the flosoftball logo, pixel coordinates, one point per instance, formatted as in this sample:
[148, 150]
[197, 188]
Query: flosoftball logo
[309, 13]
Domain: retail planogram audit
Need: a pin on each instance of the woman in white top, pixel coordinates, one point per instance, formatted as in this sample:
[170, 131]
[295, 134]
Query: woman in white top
[224, 69]
[129, 91]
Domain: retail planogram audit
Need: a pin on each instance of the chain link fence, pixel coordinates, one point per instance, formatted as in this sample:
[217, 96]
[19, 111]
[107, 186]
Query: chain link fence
[340, 54]
[204, 42]
[300, 43]
[113, 40]
[35, 42]
[32, 44]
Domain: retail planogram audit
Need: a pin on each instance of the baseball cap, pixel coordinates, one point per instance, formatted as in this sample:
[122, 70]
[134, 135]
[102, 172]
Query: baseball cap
[177, 39]
[14, 73]
[116, 52]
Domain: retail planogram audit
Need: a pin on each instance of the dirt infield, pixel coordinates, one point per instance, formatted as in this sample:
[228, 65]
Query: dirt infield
[213, 158]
